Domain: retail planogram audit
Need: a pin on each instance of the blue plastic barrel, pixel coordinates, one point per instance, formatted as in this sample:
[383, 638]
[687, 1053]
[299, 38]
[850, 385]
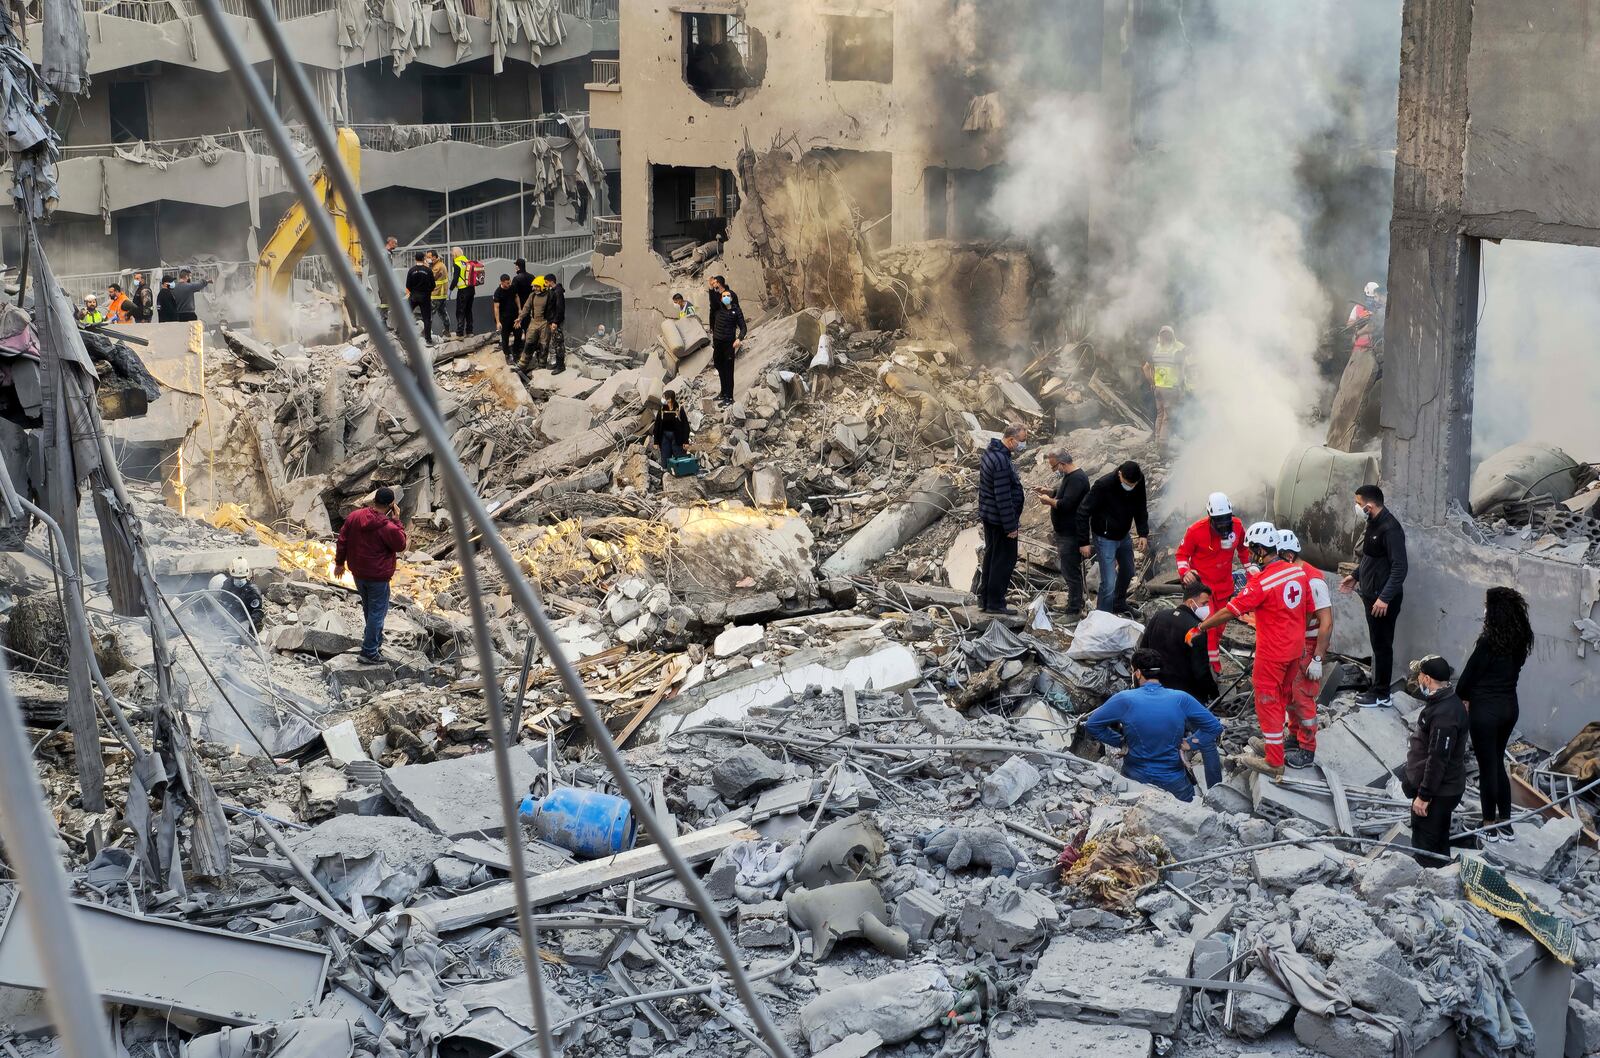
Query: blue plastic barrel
[586, 822]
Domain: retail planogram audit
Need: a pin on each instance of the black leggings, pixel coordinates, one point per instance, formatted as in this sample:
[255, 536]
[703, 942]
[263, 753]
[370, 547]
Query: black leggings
[1491, 721]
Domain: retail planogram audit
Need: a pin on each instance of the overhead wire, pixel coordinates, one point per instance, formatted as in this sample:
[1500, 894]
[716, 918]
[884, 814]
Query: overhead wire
[411, 388]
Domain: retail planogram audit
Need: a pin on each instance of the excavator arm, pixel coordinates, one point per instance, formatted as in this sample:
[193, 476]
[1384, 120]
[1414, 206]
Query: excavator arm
[292, 238]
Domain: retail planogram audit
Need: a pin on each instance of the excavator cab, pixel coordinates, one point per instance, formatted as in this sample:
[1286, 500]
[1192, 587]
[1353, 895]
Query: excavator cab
[293, 238]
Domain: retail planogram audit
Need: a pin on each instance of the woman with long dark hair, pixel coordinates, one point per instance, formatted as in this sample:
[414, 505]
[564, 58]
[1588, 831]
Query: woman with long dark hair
[1488, 688]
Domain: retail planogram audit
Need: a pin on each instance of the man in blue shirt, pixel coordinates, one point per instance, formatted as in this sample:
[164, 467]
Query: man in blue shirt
[1156, 723]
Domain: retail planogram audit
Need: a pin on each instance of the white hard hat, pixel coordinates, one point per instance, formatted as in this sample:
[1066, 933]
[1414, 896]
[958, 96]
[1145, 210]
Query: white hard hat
[1287, 541]
[88, 297]
[1370, 290]
[1217, 504]
[239, 569]
[1263, 533]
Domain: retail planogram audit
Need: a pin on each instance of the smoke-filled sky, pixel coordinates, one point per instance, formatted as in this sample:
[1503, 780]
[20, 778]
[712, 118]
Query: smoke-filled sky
[1250, 206]
[1539, 314]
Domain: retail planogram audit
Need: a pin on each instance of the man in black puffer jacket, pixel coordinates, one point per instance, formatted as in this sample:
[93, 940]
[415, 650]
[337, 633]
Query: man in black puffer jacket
[727, 334]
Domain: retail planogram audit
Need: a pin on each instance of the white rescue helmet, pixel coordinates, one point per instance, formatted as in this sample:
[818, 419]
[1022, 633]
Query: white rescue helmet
[1262, 534]
[1287, 541]
[1217, 505]
[239, 569]
[1371, 290]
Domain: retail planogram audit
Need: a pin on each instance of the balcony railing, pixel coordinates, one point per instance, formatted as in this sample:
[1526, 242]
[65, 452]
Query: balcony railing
[81, 283]
[383, 139]
[157, 11]
[540, 251]
[606, 73]
[608, 235]
[591, 10]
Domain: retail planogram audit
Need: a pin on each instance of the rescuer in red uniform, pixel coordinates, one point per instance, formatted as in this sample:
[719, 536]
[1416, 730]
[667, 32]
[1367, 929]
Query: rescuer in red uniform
[1206, 554]
[1279, 596]
[1308, 674]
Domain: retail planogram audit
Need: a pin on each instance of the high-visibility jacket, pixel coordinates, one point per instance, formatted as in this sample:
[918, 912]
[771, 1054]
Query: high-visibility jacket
[1280, 597]
[1166, 365]
[461, 271]
[1211, 556]
[92, 317]
[120, 310]
[441, 280]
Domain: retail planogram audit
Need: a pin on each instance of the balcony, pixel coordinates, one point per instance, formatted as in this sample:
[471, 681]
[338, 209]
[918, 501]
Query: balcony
[606, 76]
[212, 170]
[607, 236]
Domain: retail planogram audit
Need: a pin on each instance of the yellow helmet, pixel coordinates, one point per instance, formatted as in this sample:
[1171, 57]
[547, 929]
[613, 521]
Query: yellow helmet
[539, 283]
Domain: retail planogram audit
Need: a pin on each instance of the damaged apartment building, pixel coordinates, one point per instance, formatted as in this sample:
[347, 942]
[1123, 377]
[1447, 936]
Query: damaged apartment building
[716, 752]
[471, 118]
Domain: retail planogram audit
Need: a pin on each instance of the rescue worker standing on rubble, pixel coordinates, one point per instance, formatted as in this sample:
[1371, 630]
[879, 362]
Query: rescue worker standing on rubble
[1488, 691]
[118, 308]
[242, 599]
[1164, 371]
[1156, 724]
[1308, 673]
[1000, 499]
[1380, 580]
[1063, 502]
[1206, 555]
[555, 323]
[439, 300]
[1279, 597]
[1183, 663]
[522, 283]
[504, 304]
[461, 275]
[531, 322]
[91, 314]
[1436, 763]
[1114, 510]
[1366, 318]
[727, 335]
[369, 540]
[419, 288]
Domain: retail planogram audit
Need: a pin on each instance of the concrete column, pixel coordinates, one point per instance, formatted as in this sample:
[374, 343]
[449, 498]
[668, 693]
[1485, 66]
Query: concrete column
[1426, 415]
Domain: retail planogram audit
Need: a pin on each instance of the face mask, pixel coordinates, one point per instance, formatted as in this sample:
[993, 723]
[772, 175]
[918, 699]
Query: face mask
[1127, 487]
[1022, 446]
[1361, 510]
[138, 282]
[1221, 526]
[1202, 612]
[727, 300]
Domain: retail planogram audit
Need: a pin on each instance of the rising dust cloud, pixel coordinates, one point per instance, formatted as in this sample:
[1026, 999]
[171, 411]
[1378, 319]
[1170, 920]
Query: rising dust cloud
[1205, 220]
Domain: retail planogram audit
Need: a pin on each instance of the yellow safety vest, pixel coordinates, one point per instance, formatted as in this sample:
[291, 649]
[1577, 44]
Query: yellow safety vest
[461, 272]
[92, 318]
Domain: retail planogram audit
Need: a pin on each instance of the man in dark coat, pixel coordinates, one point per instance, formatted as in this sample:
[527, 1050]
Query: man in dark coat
[1184, 666]
[1000, 498]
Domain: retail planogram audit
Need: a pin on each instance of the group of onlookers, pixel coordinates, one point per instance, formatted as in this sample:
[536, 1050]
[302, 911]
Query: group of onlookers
[173, 303]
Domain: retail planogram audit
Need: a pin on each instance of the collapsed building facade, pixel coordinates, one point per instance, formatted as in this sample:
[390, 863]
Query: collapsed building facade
[772, 671]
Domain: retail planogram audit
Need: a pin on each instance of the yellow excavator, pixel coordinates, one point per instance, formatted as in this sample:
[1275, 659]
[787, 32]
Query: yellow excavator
[293, 237]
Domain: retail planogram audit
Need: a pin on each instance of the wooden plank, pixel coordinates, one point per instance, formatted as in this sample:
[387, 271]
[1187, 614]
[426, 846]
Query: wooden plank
[647, 708]
[568, 883]
[852, 718]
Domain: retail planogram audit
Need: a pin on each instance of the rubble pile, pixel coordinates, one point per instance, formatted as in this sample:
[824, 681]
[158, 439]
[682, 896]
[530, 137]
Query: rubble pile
[884, 791]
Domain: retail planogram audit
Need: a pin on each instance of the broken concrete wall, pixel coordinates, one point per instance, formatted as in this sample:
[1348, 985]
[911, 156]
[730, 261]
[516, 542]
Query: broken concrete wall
[979, 296]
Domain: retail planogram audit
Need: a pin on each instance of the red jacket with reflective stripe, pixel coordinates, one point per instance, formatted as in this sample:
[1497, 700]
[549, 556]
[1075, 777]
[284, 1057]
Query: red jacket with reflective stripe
[1211, 556]
[1280, 597]
[368, 542]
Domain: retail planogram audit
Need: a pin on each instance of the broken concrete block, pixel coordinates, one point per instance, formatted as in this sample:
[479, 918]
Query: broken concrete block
[1334, 920]
[563, 418]
[1000, 918]
[1389, 872]
[1343, 1037]
[1537, 849]
[304, 639]
[1006, 785]
[1373, 986]
[1110, 979]
[346, 673]
[841, 591]
[938, 718]
[895, 1006]
[1055, 1036]
[767, 489]
[856, 1045]
[918, 913]
[746, 772]
[736, 639]
[452, 873]
[745, 607]
[364, 801]
[1255, 1015]
[1188, 827]
[383, 856]
[1291, 867]
[457, 798]
[1583, 1029]
[763, 925]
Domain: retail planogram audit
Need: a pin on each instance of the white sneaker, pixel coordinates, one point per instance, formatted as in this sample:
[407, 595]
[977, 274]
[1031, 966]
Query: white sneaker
[1377, 703]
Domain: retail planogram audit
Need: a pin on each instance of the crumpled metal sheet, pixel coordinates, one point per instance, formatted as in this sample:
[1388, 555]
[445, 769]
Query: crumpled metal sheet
[26, 132]
[66, 47]
[540, 20]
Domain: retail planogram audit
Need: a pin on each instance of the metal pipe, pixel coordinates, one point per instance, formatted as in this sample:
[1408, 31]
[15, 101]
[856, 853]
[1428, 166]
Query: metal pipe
[30, 843]
[418, 403]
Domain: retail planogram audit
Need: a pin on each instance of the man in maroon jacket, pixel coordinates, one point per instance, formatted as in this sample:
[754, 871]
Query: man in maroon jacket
[369, 540]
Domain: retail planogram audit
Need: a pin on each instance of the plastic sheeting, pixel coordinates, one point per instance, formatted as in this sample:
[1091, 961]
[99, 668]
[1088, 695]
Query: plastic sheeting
[66, 48]
[26, 132]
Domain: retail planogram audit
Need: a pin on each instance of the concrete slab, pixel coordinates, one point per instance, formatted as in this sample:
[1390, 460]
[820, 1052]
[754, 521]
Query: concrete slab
[178, 563]
[1283, 802]
[1381, 731]
[1338, 748]
[457, 798]
[1057, 1036]
[176, 968]
[1105, 980]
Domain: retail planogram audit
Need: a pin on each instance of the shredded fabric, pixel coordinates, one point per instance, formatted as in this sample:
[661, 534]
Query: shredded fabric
[1301, 978]
[540, 20]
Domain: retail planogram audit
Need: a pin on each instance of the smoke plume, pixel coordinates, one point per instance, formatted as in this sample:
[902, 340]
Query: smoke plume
[1207, 202]
[1538, 319]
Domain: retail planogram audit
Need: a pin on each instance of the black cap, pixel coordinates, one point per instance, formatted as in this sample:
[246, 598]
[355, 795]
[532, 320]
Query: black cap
[1437, 668]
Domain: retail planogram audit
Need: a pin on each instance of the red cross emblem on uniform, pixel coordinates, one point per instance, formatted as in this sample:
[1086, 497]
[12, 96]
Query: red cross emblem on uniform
[1291, 594]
